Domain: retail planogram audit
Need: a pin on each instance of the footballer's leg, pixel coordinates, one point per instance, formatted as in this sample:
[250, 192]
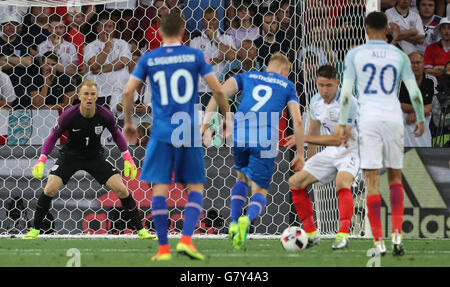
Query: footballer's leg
[160, 215]
[192, 212]
[396, 198]
[238, 199]
[54, 183]
[256, 206]
[373, 201]
[344, 182]
[303, 204]
[115, 183]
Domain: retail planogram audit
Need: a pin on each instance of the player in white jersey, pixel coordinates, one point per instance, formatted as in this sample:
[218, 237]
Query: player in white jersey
[377, 68]
[334, 162]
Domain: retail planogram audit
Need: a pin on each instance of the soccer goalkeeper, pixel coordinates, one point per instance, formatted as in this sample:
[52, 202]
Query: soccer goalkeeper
[83, 151]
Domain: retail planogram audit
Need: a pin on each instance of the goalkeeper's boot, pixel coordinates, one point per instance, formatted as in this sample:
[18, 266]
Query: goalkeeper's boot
[380, 248]
[397, 245]
[341, 241]
[144, 234]
[241, 236]
[163, 253]
[32, 234]
[313, 239]
[189, 250]
[232, 230]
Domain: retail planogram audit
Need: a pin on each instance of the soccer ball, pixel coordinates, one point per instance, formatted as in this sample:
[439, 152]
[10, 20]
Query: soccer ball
[294, 239]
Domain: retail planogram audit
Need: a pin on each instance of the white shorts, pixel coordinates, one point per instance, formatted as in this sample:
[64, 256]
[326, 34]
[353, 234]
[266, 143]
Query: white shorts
[325, 165]
[381, 144]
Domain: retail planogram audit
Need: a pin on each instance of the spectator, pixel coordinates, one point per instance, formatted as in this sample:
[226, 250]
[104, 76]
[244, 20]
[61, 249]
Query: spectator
[440, 126]
[36, 23]
[107, 58]
[122, 13]
[317, 43]
[427, 85]
[7, 94]
[7, 11]
[145, 14]
[194, 11]
[66, 51]
[267, 44]
[438, 54]
[76, 21]
[429, 21]
[245, 62]
[242, 27]
[142, 98]
[15, 59]
[350, 27]
[152, 36]
[51, 89]
[411, 29]
[286, 32]
[218, 47]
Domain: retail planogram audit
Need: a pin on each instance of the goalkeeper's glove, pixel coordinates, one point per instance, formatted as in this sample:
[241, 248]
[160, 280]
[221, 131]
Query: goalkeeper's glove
[38, 168]
[129, 165]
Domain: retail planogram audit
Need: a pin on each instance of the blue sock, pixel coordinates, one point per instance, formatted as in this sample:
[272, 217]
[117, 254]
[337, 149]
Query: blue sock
[238, 198]
[256, 206]
[160, 215]
[192, 212]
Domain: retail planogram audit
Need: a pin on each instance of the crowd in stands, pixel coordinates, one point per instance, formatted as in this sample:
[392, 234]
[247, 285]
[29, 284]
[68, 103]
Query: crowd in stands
[47, 52]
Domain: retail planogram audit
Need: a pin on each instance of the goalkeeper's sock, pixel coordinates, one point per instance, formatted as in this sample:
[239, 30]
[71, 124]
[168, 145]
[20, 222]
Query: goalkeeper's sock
[129, 205]
[345, 209]
[42, 207]
[238, 198]
[397, 207]
[304, 207]
[256, 206]
[192, 212]
[160, 215]
[374, 211]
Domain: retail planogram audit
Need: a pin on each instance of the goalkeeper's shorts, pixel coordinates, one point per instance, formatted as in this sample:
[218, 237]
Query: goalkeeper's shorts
[161, 158]
[98, 166]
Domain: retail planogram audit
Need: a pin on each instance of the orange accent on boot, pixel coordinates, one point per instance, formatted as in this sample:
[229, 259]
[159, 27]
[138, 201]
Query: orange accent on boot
[186, 240]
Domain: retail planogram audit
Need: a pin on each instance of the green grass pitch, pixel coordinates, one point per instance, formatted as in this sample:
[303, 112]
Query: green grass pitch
[259, 253]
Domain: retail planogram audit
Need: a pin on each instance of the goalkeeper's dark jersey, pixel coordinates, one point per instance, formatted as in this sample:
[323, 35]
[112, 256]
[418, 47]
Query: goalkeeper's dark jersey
[84, 133]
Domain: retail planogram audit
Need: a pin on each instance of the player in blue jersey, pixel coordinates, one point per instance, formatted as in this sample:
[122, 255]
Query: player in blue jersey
[377, 67]
[174, 72]
[83, 151]
[264, 96]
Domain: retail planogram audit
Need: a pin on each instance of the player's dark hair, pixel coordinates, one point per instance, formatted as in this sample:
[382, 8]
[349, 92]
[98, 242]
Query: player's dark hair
[376, 21]
[50, 55]
[172, 24]
[327, 71]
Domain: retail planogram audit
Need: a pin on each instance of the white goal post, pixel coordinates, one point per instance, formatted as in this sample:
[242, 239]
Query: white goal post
[83, 208]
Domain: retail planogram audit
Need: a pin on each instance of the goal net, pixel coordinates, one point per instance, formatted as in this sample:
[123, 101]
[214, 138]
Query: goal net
[309, 33]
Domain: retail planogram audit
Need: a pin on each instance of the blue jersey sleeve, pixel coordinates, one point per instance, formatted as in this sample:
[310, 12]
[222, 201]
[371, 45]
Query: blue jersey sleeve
[239, 81]
[205, 64]
[292, 96]
[140, 70]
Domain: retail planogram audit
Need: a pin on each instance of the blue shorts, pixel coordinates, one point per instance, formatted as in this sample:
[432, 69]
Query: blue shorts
[248, 161]
[162, 158]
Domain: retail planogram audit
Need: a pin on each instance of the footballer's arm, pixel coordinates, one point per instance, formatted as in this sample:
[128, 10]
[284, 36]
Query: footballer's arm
[128, 105]
[299, 134]
[227, 90]
[313, 134]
